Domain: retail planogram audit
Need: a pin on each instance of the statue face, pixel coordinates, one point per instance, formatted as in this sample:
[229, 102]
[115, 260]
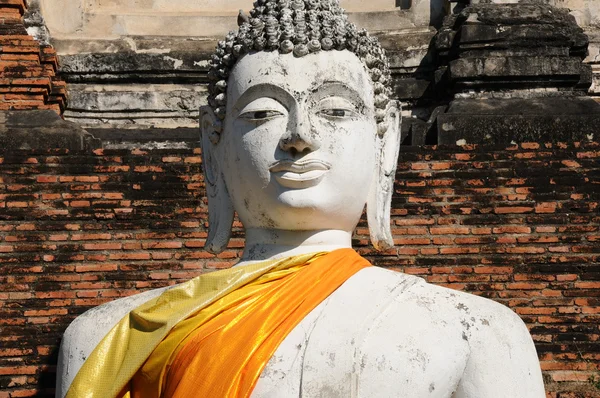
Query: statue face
[298, 149]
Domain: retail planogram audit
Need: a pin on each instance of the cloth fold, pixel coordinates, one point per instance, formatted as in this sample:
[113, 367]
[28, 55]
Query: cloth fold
[213, 335]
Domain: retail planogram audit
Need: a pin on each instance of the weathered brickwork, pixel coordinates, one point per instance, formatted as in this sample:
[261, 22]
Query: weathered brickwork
[27, 70]
[520, 225]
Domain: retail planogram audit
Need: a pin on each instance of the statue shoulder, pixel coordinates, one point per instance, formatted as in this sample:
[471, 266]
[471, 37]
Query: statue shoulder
[485, 343]
[479, 317]
[502, 359]
[87, 330]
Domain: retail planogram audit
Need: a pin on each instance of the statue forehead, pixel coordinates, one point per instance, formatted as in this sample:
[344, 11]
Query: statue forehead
[299, 75]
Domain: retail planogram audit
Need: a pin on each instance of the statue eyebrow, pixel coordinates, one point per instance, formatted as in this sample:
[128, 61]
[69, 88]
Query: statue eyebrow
[262, 90]
[331, 87]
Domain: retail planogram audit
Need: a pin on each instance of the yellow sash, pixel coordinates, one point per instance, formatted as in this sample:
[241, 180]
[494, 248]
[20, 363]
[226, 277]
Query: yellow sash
[123, 351]
[224, 356]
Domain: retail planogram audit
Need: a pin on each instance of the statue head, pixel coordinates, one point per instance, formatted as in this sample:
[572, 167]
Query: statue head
[300, 132]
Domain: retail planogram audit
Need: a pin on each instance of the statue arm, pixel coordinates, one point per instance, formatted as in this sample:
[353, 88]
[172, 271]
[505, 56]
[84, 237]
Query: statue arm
[503, 361]
[76, 345]
[87, 330]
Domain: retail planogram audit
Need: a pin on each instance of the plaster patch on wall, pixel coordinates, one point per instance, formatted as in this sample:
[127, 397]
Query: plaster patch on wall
[177, 63]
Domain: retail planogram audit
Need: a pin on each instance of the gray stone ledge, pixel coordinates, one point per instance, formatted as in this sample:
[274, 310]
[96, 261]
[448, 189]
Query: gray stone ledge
[505, 121]
[42, 130]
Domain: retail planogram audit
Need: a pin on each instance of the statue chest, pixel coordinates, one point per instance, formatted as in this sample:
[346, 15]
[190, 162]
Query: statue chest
[369, 339]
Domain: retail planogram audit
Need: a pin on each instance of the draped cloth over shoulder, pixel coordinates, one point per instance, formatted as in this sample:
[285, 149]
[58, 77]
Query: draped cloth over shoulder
[213, 335]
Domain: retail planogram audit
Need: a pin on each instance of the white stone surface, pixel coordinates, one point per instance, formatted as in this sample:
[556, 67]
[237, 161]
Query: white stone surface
[157, 105]
[382, 334]
[114, 18]
[298, 157]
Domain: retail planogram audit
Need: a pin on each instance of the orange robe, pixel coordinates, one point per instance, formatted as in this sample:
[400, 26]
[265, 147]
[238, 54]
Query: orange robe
[220, 348]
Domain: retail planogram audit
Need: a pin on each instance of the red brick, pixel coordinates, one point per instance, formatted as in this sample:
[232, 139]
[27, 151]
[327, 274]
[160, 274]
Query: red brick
[530, 145]
[58, 237]
[162, 245]
[91, 237]
[113, 195]
[525, 250]
[513, 210]
[96, 268]
[47, 179]
[459, 250]
[80, 203]
[195, 243]
[569, 375]
[87, 179]
[162, 255]
[132, 246]
[193, 160]
[526, 286]
[45, 312]
[587, 285]
[571, 163]
[512, 229]
[18, 370]
[535, 311]
[129, 256]
[470, 241]
[546, 207]
[102, 246]
[17, 204]
[493, 270]
[449, 230]
[412, 241]
[441, 166]
[159, 275]
[171, 159]
[463, 156]
[444, 240]
[588, 155]
[414, 221]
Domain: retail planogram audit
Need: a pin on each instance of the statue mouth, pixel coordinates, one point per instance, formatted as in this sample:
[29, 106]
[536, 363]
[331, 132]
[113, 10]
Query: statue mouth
[299, 174]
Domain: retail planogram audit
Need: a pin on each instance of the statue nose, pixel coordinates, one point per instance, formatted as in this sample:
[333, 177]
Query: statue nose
[298, 140]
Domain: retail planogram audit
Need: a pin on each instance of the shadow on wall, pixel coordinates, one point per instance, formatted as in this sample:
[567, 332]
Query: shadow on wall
[436, 8]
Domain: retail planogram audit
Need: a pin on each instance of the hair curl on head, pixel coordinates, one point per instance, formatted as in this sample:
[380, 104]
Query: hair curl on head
[300, 27]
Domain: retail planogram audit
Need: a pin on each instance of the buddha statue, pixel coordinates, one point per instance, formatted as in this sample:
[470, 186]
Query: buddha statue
[299, 135]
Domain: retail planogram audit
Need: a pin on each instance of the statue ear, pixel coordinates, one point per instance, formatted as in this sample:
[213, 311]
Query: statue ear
[220, 208]
[380, 196]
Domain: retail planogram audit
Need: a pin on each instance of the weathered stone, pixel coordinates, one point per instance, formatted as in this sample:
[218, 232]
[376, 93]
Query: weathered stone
[141, 80]
[516, 74]
[503, 46]
[147, 138]
[42, 129]
[477, 67]
[502, 121]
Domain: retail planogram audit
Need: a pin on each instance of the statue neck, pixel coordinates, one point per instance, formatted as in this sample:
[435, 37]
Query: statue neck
[264, 244]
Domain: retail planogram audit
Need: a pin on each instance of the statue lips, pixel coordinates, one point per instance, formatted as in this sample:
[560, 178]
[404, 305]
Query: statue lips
[299, 174]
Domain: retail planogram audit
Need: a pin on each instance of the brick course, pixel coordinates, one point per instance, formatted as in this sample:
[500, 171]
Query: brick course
[27, 69]
[519, 225]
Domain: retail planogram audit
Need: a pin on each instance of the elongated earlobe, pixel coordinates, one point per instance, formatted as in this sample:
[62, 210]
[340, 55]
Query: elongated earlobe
[220, 208]
[380, 196]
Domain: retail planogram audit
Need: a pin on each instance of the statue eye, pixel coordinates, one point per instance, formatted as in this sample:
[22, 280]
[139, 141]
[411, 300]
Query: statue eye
[336, 107]
[261, 115]
[336, 112]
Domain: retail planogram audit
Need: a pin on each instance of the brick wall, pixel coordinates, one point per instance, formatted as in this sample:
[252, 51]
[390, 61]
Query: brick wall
[27, 69]
[520, 225]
